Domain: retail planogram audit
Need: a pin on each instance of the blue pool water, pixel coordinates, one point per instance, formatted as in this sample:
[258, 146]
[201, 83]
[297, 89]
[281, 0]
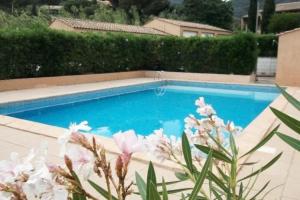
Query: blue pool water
[146, 107]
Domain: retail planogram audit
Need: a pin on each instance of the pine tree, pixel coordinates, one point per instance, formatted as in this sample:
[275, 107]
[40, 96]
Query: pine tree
[268, 12]
[252, 16]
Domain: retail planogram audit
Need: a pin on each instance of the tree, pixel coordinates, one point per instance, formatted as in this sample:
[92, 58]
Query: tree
[252, 16]
[214, 12]
[145, 8]
[284, 22]
[268, 12]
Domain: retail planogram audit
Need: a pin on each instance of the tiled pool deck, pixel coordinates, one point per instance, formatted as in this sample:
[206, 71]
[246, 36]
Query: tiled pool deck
[20, 135]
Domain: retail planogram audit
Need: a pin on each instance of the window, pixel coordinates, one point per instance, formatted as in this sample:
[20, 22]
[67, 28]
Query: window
[207, 34]
[189, 34]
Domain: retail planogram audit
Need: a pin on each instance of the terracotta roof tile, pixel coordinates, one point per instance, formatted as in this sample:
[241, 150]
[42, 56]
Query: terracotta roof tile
[192, 24]
[105, 26]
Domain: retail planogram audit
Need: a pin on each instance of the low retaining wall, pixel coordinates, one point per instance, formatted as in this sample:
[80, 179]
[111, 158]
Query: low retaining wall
[18, 84]
[227, 78]
[26, 83]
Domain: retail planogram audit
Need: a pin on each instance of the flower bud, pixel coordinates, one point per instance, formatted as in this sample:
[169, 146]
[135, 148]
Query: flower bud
[68, 163]
[119, 166]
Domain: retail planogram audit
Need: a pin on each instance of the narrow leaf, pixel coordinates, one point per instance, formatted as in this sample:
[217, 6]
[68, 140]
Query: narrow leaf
[187, 152]
[101, 191]
[218, 182]
[141, 186]
[216, 154]
[181, 176]
[151, 178]
[201, 177]
[290, 98]
[164, 192]
[241, 190]
[153, 193]
[260, 191]
[263, 168]
[177, 190]
[287, 120]
[290, 141]
[262, 142]
[169, 183]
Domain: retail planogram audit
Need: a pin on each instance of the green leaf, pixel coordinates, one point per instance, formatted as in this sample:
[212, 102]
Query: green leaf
[177, 190]
[101, 191]
[290, 98]
[262, 142]
[224, 176]
[219, 145]
[263, 168]
[187, 153]
[77, 196]
[233, 145]
[241, 190]
[201, 177]
[181, 176]
[287, 120]
[164, 192]
[260, 191]
[216, 154]
[290, 141]
[169, 183]
[153, 194]
[151, 178]
[217, 196]
[218, 182]
[141, 186]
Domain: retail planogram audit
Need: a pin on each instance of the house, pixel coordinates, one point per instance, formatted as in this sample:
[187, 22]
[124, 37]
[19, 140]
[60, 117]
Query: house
[78, 25]
[185, 29]
[52, 9]
[280, 8]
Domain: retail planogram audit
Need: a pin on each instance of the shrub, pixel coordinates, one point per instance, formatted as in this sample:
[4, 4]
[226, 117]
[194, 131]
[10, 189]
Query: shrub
[284, 22]
[267, 45]
[44, 52]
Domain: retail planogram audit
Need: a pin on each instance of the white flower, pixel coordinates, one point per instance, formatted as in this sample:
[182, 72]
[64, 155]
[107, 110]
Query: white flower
[200, 102]
[128, 142]
[74, 128]
[207, 110]
[82, 160]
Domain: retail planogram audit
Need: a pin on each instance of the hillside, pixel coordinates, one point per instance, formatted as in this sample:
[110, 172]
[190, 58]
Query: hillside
[241, 6]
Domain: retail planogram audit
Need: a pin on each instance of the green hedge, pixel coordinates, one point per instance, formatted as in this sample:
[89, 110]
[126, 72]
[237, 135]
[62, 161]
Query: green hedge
[267, 45]
[26, 53]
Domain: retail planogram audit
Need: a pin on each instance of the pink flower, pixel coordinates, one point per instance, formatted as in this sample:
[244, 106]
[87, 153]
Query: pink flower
[129, 143]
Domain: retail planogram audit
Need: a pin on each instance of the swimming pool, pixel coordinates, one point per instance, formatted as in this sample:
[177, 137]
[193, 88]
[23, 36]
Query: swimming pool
[145, 107]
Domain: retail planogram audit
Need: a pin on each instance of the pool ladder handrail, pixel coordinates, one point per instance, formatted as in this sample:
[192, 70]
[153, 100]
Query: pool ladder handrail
[159, 91]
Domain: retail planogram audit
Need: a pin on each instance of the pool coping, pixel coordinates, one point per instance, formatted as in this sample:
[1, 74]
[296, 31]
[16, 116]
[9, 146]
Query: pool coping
[251, 135]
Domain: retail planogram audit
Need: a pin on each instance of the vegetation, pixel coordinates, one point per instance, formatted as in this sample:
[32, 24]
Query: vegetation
[289, 121]
[268, 12]
[284, 22]
[267, 45]
[252, 16]
[43, 52]
[214, 12]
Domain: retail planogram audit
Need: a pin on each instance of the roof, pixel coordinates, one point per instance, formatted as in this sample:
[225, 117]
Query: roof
[290, 31]
[105, 26]
[192, 24]
[283, 7]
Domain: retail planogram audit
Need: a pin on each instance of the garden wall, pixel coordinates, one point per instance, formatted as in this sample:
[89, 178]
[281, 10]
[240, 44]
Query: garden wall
[288, 66]
[27, 83]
